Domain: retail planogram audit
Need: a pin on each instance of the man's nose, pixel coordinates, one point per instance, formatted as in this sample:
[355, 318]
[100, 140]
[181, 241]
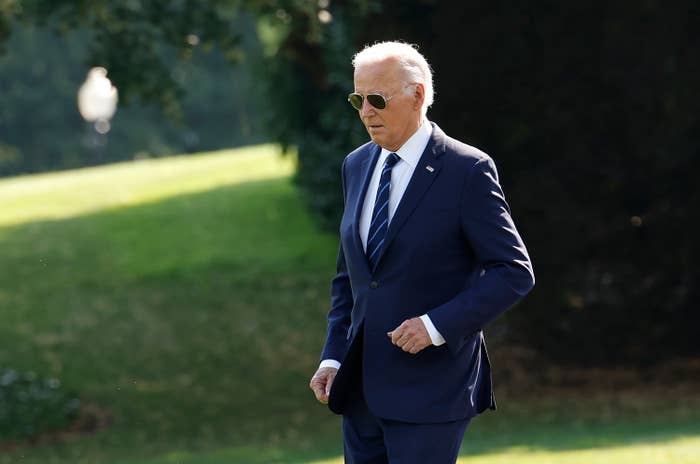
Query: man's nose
[367, 108]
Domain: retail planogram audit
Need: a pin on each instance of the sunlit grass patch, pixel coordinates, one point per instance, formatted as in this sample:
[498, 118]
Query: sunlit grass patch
[674, 451]
[69, 193]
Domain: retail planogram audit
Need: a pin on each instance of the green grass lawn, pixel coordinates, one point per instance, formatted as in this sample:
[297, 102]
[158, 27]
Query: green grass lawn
[186, 298]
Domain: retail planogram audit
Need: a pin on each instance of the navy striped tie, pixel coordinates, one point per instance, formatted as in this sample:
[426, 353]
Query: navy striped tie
[380, 215]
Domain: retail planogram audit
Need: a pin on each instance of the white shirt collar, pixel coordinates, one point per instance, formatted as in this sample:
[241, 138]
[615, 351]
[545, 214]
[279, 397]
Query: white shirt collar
[414, 147]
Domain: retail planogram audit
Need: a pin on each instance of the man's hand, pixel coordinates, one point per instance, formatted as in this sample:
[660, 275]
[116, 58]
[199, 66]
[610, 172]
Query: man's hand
[411, 336]
[321, 383]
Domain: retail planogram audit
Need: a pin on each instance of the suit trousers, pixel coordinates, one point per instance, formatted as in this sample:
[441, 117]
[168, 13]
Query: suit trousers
[368, 439]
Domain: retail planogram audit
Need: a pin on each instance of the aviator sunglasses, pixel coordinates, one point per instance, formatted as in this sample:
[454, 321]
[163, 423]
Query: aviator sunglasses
[376, 100]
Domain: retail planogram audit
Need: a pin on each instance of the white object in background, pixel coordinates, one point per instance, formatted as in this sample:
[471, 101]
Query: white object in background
[97, 99]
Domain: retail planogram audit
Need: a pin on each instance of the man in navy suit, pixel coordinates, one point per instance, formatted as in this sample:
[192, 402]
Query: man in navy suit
[428, 256]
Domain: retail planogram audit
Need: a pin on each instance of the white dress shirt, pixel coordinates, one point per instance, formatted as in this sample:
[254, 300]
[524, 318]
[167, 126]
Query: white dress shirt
[410, 153]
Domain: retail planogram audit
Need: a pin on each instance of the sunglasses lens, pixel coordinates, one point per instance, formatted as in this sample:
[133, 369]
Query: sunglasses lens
[355, 100]
[374, 99]
[377, 101]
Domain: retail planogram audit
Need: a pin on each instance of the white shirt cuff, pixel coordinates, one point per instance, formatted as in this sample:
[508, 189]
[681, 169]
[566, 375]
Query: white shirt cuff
[329, 363]
[435, 336]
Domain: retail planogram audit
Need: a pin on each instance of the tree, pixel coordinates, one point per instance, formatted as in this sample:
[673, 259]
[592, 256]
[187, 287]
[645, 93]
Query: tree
[40, 128]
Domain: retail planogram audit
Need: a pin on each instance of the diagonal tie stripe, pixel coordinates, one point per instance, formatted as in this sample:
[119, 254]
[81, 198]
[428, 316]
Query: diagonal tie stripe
[378, 229]
[380, 215]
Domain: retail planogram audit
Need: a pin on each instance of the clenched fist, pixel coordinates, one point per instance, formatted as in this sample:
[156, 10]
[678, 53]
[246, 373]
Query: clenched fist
[411, 336]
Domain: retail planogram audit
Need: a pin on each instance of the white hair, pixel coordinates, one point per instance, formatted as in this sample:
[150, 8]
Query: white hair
[413, 64]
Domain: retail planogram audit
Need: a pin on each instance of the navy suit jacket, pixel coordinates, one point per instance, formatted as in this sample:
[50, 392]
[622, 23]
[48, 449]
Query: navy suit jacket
[451, 251]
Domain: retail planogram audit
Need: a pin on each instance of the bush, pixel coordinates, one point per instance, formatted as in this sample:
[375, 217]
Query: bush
[30, 405]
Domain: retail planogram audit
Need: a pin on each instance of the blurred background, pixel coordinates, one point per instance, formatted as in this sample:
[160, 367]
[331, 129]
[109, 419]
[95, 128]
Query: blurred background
[165, 268]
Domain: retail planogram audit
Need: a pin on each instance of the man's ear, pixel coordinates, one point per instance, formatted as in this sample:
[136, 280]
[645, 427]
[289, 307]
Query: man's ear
[419, 95]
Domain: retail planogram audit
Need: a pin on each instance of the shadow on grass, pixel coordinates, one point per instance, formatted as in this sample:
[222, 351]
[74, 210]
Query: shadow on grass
[197, 319]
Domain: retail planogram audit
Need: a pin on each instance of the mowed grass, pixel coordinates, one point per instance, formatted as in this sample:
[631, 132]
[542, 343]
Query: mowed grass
[185, 298]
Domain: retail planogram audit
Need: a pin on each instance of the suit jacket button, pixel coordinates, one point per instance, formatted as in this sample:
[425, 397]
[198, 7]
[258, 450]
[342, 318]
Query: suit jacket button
[373, 284]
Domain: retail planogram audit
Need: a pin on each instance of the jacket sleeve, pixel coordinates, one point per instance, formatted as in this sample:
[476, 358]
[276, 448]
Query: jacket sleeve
[506, 271]
[339, 318]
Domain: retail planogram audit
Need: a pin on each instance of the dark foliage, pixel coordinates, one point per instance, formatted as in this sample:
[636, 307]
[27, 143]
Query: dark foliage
[306, 83]
[591, 114]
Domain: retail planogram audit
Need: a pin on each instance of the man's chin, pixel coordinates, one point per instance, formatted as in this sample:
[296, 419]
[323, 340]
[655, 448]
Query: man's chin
[375, 139]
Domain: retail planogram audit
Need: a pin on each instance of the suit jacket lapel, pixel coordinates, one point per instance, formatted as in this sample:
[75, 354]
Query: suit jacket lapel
[425, 173]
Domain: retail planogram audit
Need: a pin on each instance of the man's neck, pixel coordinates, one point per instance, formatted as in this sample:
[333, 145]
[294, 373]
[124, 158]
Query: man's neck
[421, 120]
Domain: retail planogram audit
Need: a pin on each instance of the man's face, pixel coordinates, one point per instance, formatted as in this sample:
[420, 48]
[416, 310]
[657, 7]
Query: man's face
[392, 126]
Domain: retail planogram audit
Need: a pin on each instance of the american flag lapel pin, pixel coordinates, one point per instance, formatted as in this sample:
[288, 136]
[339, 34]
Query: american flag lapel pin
[430, 168]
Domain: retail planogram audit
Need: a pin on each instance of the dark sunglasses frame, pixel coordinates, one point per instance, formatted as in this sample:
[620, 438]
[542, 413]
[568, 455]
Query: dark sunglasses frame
[377, 100]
